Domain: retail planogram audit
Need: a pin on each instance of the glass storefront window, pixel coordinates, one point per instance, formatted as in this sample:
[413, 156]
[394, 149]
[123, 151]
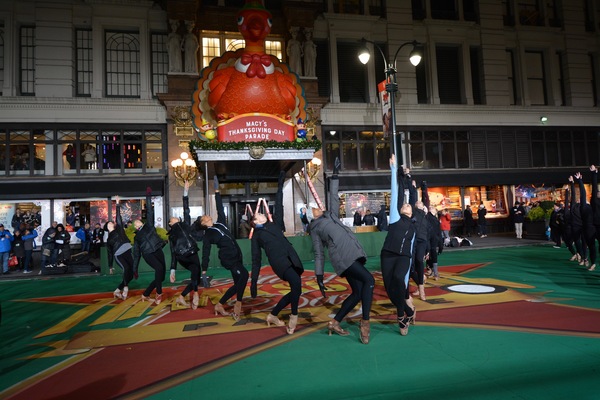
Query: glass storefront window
[111, 151]
[361, 202]
[367, 156]
[71, 151]
[493, 197]
[153, 156]
[350, 156]
[446, 198]
[332, 150]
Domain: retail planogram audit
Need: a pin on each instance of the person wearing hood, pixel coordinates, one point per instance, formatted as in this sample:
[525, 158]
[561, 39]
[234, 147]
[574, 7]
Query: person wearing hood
[149, 245]
[348, 259]
[184, 250]
[244, 228]
[382, 221]
[118, 249]
[282, 257]
[397, 254]
[49, 253]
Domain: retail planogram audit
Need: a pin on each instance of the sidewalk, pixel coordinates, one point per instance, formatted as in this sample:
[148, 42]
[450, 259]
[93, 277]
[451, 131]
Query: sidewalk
[499, 240]
[16, 274]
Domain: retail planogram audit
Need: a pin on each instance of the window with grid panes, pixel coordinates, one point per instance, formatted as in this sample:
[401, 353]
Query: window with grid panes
[358, 150]
[160, 63]
[122, 65]
[84, 62]
[214, 44]
[1, 57]
[27, 61]
[536, 78]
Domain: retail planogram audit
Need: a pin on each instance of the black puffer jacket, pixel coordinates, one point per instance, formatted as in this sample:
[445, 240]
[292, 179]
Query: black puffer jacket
[116, 238]
[146, 239]
[48, 239]
[181, 238]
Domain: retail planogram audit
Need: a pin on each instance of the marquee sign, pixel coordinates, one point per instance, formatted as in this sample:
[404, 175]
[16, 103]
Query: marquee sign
[255, 127]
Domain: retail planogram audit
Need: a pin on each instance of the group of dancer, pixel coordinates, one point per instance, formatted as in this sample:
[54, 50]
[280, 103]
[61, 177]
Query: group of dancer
[413, 241]
[578, 222]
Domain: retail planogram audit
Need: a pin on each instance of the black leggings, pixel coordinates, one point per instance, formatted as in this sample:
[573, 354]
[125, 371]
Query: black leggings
[433, 253]
[240, 279]
[589, 238]
[419, 265]
[125, 261]
[192, 264]
[292, 277]
[395, 270]
[567, 237]
[362, 283]
[156, 260]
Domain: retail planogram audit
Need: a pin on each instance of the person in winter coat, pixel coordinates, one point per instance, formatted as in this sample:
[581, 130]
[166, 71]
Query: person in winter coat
[5, 246]
[149, 245]
[28, 246]
[468, 220]
[368, 219]
[118, 249]
[382, 221]
[97, 240]
[18, 249]
[230, 256]
[282, 257]
[481, 220]
[397, 254]
[348, 260]
[445, 223]
[358, 220]
[518, 214]
[244, 228]
[184, 250]
[62, 241]
[49, 253]
[85, 236]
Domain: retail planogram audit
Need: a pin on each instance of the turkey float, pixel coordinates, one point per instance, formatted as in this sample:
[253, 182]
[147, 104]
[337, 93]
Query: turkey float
[248, 95]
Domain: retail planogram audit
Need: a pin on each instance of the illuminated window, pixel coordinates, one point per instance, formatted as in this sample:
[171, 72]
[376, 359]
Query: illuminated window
[214, 44]
[234, 44]
[274, 49]
[211, 48]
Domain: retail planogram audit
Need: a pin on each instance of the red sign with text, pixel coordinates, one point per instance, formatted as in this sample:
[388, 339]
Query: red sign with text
[256, 127]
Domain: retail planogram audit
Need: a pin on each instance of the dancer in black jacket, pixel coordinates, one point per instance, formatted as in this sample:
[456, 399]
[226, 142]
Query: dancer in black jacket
[588, 232]
[184, 250]
[149, 245]
[567, 228]
[230, 256]
[397, 254]
[422, 243]
[577, 226]
[118, 248]
[595, 203]
[282, 256]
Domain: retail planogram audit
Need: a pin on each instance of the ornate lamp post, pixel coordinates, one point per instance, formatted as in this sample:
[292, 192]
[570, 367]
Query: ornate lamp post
[184, 169]
[390, 77]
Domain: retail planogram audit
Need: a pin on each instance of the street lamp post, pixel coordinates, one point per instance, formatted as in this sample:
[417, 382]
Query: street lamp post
[391, 85]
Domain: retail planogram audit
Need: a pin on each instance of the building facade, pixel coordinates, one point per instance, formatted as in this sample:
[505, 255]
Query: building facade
[503, 106]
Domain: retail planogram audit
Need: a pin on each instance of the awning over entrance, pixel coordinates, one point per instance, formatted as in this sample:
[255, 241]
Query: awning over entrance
[252, 165]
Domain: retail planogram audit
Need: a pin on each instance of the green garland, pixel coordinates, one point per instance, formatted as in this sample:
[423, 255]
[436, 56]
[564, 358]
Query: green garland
[267, 144]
